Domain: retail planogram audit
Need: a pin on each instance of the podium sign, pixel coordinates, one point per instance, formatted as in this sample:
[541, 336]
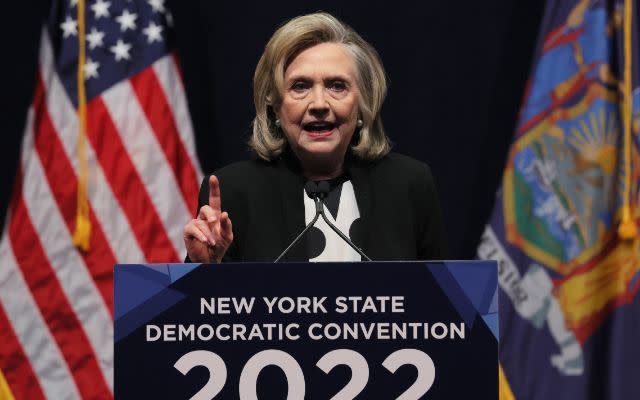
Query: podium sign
[376, 330]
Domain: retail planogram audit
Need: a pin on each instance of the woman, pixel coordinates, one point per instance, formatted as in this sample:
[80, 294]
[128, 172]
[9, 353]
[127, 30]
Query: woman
[318, 90]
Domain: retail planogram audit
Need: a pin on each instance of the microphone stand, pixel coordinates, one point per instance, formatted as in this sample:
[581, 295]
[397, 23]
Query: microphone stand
[320, 212]
[297, 239]
[320, 209]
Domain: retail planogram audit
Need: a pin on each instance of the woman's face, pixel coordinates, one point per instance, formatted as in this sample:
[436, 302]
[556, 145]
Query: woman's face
[320, 104]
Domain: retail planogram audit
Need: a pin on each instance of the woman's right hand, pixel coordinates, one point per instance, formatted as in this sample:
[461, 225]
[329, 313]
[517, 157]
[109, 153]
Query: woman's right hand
[208, 237]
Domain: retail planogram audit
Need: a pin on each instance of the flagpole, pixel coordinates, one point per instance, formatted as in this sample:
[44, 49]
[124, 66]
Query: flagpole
[627, 229]
[82, 234]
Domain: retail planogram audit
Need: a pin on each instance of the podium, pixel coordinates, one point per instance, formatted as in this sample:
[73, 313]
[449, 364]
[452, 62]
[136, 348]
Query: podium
[370, 330]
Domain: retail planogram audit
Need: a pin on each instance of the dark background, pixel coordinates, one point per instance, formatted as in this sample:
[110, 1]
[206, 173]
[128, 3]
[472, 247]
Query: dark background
[457, 71]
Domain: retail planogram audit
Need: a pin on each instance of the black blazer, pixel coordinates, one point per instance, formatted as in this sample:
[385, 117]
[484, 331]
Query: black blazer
[396, 196]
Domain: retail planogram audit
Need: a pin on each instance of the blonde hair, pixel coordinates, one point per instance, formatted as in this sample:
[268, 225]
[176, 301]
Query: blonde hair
[287, 42]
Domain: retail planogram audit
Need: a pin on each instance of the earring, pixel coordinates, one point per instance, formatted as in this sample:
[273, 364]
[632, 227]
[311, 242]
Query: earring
[359, 123]
[278, 123]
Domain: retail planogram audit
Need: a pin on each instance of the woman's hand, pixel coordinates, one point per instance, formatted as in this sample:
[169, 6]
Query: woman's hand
[208, 237]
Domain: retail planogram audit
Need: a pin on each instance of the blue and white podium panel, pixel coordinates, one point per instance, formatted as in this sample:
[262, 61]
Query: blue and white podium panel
[376, 330]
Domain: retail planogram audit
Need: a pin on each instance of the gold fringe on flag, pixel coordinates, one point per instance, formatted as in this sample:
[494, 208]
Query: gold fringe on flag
[82, 234]
[504, 390]
[627, 229]
[5, 392]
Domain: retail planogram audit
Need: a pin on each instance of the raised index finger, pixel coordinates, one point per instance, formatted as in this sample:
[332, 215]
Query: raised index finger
[214, 194]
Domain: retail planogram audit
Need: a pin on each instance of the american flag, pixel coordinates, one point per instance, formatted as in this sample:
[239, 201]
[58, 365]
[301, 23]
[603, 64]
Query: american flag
[56, 301]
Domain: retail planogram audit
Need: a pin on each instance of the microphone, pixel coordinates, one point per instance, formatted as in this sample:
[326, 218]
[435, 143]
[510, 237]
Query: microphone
[318, 191]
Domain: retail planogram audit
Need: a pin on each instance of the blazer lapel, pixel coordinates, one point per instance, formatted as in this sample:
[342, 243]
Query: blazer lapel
[291, 187]
[360, 178]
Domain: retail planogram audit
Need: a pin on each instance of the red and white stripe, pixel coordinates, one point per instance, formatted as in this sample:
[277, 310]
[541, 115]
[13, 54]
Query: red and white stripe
[56, 303]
